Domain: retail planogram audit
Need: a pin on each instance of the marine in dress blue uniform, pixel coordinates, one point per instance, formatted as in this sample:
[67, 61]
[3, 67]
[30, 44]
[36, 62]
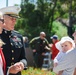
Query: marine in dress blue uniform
[14, 47]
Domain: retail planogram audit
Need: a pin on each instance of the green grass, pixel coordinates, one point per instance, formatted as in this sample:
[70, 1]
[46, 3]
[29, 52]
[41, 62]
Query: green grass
[32, 71]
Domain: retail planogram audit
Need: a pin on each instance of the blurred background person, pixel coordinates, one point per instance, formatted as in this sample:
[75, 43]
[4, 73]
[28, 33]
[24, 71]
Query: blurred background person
[38, 45]
[26, 42]
[53, 47]
[28, 51]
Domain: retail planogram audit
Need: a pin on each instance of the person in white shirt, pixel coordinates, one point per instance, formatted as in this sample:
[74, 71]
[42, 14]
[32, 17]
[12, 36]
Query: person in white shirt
[74, 35]
[63, 65]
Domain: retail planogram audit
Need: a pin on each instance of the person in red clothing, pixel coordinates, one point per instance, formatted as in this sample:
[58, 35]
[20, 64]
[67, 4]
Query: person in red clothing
[53, 48]
[2, 59]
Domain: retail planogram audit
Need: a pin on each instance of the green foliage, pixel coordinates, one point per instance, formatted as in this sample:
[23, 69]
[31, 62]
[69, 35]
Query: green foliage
[20, 23]
[74, 27]
[59, 29]
[32, 71]
[42, 16]
[21, 31]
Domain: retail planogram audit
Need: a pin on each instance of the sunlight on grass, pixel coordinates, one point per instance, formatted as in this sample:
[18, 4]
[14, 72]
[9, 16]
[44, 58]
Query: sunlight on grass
[32, 71]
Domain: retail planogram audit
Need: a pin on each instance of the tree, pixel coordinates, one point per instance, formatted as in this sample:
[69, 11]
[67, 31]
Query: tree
[40, 16]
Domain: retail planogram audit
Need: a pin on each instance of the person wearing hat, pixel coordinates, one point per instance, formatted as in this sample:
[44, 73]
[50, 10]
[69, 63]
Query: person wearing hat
[38, 45]
[63, 65]
[53, 48]
[14, 47]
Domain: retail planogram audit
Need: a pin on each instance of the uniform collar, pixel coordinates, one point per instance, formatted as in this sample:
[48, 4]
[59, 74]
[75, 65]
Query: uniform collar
[7, 32]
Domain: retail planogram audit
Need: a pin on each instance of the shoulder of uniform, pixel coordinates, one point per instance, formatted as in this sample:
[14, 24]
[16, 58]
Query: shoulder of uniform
[34, 39]
[46, 40]
[14, 32]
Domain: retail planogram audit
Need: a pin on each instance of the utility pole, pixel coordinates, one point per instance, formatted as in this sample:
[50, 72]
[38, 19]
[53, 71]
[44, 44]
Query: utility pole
[70, 31]
[6, 3]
